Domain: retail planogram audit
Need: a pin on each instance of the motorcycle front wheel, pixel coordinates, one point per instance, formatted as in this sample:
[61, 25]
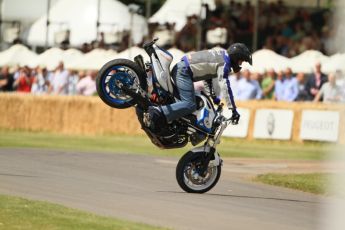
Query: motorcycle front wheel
[115, 75]
[188, 174]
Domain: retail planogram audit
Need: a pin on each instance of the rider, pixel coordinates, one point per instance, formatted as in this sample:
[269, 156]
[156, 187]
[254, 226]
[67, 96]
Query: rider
[212, 65]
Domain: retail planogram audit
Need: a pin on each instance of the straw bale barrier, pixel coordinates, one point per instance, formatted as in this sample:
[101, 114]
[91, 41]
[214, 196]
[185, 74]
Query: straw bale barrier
[90, 116]
[65, 114]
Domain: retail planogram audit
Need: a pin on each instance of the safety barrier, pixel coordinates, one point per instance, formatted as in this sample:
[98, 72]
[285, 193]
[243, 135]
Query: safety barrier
[296, 121]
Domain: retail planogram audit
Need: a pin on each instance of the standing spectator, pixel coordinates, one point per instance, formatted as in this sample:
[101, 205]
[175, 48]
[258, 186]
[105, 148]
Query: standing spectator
[267, 84]
[87, 85]
[73, 80]
[234, 80]
[40, 81]
[340, 81]
[6, 80]
[330, 91]
[59, 80]
[315, 81]
[290, 91]
[24, 81]
[302, 93]
[248, 88]
[186, 37]
[279, 86]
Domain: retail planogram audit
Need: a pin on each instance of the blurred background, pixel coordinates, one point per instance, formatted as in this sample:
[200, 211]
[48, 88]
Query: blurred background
[291, 99]
[298, 54]
[287, 38]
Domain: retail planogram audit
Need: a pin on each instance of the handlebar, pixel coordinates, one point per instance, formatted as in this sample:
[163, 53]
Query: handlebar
[148, 44]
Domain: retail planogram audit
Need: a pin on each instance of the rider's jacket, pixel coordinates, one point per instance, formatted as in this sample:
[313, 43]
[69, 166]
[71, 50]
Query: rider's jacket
[214, 65]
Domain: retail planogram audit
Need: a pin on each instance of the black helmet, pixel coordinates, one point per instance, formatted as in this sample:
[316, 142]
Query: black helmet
[239, 52]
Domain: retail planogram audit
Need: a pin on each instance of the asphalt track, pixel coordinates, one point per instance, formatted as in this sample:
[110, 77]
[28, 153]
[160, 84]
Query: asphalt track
[144, 189]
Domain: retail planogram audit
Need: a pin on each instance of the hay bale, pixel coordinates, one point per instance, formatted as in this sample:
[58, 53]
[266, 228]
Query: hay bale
[90, 116]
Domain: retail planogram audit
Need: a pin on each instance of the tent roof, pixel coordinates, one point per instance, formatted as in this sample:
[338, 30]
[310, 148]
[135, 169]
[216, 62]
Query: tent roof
[306, 61]
[266, 59]
[176, 11]
[17, 55]
[334, 63]
[93, 60]
[51, 57]
[130, 53]
[80, 17]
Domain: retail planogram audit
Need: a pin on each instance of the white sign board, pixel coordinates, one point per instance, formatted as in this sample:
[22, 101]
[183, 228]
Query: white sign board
[319, 125]
[273, 124]
[240, 130]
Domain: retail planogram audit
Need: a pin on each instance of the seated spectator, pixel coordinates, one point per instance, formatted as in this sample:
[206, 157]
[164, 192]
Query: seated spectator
[267, 84]
[6, 80]
[290, 91]
[302, 93]
[248, 88]
[279, 86]
[314, 82]
[330, 91]
[87, 85]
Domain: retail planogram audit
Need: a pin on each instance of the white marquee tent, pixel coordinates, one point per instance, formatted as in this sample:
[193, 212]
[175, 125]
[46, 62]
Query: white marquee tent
[80, 17]
[74, 59]
[306, 61]
[51, 57]
[17, 55]
[93, 60]
[132, 52]
[334, 63]
[176, 11]
[266, 59]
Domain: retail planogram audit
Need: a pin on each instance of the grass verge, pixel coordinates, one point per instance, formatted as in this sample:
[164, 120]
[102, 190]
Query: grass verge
[142, 145]
[316, 183]
[17, 213]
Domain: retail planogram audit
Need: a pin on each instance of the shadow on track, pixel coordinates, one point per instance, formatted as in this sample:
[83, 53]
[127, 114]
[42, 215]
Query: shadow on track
[15, 175]
[244, 197]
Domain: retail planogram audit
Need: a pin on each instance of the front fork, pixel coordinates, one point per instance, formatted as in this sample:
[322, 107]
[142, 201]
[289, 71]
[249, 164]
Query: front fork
[210, 149]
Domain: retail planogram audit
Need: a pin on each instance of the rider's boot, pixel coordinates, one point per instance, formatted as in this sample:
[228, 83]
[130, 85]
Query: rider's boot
[156, 118]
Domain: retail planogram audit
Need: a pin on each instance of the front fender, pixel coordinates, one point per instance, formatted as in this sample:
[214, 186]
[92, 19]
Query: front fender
[201, 149]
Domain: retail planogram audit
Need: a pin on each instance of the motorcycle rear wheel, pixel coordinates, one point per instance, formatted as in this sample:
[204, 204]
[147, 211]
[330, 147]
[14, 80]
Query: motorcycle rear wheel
[190, 180]
[113, 75]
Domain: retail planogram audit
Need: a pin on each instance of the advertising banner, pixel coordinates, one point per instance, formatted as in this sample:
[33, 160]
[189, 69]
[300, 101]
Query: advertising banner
[240, 130]
[273, 124]
[319, 125]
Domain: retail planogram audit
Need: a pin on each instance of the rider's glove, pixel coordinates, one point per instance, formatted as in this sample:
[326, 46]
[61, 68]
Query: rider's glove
[235, 117]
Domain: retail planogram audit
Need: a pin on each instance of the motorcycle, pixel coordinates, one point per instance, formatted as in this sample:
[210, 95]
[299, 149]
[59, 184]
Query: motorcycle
[122, 83]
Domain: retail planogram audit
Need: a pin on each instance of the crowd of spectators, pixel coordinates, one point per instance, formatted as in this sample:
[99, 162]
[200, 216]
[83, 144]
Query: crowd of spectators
[246, 85]
[286, 30]
[41, 81]
[285, 86]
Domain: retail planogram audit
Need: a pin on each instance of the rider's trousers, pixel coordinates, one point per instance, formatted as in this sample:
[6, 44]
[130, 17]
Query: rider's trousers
[187, 104]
